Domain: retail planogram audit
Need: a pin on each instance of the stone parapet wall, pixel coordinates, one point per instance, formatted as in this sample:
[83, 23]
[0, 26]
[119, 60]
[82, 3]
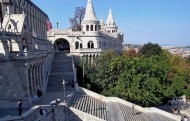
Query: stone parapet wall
[10, 84]
[34, 115]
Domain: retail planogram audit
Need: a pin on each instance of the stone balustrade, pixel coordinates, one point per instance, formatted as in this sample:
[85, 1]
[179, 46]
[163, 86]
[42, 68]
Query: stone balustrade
[28, 54]
[56, 113]
[91, 50]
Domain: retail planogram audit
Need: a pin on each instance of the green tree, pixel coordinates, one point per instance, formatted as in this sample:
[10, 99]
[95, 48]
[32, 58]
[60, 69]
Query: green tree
[150, 49]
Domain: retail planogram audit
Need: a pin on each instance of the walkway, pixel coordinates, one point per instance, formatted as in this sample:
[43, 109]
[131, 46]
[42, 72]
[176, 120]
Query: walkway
[61, 68]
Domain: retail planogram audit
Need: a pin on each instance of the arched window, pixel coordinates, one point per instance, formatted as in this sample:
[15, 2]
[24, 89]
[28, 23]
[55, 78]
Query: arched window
[90, 44]
[96, 28]
[76, 45]
[24, 44]
[91, 27]
[87, 27]
[81, 45]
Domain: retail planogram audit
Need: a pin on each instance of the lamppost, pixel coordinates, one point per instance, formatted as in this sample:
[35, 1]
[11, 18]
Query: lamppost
[66, 111]
[64, 86]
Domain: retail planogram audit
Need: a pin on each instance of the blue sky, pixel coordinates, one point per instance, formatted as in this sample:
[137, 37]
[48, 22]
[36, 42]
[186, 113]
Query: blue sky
[166, 22]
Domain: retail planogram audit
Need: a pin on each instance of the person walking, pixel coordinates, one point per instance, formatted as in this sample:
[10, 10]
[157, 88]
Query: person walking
[133, 107]
[185, 118]
[20, 107]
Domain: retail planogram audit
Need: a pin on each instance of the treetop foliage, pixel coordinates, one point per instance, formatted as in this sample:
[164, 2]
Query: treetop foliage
[147, 79]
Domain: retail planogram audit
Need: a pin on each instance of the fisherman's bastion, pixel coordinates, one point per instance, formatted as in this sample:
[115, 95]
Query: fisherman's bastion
[34, 57]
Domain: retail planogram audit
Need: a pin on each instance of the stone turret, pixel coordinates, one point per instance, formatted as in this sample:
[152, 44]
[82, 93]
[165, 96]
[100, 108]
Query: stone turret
[90, 24]
[111, 26]
[102, 24]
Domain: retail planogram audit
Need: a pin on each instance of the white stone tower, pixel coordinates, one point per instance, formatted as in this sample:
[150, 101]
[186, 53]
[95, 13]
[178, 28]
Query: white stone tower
[90, 24]
[111, 26]
[102, 24]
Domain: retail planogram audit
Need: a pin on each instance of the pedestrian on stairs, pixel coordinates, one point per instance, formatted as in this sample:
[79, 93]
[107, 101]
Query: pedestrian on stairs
[133, 107]
[20, 107]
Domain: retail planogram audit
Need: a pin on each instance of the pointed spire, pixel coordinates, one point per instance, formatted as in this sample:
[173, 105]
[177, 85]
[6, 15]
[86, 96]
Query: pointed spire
[110, 19]
[90, 14]
[101, 21]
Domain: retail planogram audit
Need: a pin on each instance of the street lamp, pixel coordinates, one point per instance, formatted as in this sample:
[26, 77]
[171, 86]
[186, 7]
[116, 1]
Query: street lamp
[64, 86]
[66, 111]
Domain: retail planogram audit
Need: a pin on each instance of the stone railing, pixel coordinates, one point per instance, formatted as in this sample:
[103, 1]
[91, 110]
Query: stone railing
[75, 33]
[118, 100]
[27, 55]
[92, 50]
[56, 113]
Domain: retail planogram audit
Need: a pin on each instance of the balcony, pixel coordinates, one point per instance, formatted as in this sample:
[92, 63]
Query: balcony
[27, 55]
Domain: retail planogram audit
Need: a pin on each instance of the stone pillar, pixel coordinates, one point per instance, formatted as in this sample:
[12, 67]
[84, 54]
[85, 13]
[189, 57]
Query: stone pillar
[43, 78]
[40, 76]
[89, 60]
[31, 82]
[92, 60]
[37, 78]
[34, 80]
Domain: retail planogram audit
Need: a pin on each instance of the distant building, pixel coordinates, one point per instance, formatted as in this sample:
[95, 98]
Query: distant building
[127, 47]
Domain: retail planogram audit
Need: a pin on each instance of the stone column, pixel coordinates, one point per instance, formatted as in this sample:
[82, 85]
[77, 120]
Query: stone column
[92, 60]
[40, 76]
[89, 60]
[30, 82]
[37, 78]
[43, 78]
[34, 80]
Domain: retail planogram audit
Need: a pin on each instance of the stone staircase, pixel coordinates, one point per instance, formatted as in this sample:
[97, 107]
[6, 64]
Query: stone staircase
[111, 111]
[89, 105]
[140, 116]
[61, 68]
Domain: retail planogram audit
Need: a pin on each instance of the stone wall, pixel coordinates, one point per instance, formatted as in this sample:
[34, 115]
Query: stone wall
[10, 82]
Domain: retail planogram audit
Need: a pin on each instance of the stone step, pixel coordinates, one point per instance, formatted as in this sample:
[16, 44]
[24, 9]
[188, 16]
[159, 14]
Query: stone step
[89, 105]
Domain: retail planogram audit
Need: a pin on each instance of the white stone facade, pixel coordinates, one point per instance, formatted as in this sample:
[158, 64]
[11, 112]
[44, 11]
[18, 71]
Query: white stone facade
[94, 38]
[25, 52]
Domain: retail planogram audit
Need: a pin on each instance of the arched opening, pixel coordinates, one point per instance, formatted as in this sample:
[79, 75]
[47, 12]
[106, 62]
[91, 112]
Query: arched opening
[81, 45]
[91, 27]
[90, 44]
[87, 27]
[62, 45]
[25, 44]
[96, 28]
[76, 45]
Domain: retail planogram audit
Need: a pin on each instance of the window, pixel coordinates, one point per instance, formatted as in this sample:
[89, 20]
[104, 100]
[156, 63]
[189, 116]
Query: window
[76, 45]
[95, 27]
[81, 45]
[87, 27]
[91, 27]
[90, 44]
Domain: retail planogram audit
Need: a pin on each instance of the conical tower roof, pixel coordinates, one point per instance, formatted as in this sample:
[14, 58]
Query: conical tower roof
[90, 14]
[102, 21]
[110, 19]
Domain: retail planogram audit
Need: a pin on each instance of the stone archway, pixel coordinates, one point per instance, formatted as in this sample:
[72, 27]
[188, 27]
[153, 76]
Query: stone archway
[62, 45]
